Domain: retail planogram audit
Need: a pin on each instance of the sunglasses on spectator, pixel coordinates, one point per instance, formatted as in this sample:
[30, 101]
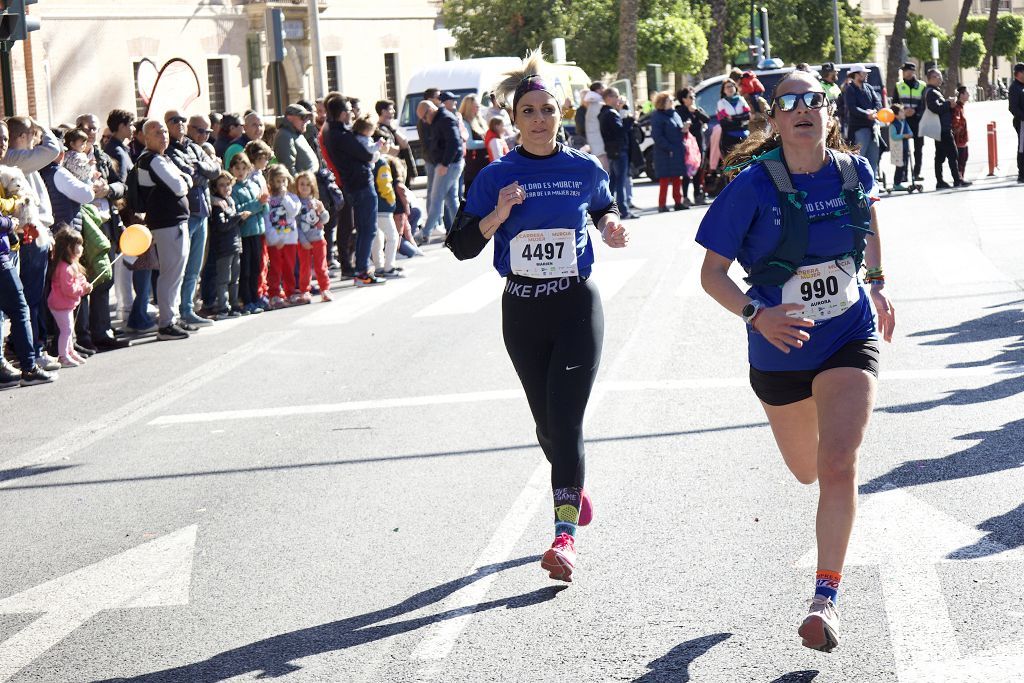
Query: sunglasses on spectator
[811, 100]
[201, 131]
[88, 129]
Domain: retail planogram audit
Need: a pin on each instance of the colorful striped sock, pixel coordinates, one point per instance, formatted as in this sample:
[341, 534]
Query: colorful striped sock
[826, 584]
[567, 510]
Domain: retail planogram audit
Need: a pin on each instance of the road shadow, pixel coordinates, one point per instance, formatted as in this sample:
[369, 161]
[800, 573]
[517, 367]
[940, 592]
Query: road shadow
[31, 471]
[797, 677]
[1000, 324]
[674, 667]
[495, 450]
[273, 657]
[1004, 532]
[996, 450]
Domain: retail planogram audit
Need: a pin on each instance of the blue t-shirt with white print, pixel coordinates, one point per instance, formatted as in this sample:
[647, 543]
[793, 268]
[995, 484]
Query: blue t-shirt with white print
[560, 189]
[744, 223]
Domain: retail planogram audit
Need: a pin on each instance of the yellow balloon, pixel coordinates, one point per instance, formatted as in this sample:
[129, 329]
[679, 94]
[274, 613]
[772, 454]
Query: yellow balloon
[885, 115]
[135, 240]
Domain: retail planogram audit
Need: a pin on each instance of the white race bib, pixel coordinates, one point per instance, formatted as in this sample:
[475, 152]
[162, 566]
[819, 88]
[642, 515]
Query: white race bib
[825, 290]
[544, 253]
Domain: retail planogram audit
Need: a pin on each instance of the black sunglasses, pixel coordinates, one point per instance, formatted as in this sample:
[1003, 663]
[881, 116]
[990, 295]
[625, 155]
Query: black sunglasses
[811, 100]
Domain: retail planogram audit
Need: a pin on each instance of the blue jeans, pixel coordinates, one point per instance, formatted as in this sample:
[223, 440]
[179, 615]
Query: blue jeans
[35, 263]
[444, 194]
[14, 306]
[430, 176]
[619, 172]
[197, 245]
[865, 139]
[364, 206]
[139, 318]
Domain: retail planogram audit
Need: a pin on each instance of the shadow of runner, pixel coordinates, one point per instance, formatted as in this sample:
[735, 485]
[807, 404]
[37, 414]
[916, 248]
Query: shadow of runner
[997, 450]
[273, 657]
[674, 667]
[1004, 532]
[797, 677]
[997, 325]
[21, 472]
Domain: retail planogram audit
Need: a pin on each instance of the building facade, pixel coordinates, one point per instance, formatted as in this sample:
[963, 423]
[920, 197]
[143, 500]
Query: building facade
[100, 55]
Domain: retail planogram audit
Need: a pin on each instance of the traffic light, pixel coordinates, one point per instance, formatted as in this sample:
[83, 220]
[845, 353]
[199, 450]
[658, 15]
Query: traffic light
[15, 24]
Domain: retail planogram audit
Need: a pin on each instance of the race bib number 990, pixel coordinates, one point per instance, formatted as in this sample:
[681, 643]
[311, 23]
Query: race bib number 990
[825, 290]
[544, 253]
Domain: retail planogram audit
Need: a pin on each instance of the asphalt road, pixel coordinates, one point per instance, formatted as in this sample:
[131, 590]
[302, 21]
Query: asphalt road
[352, 492]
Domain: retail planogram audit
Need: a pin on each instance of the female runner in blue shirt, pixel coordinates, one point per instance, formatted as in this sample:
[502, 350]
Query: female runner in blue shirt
[534, 203]
[812, 340]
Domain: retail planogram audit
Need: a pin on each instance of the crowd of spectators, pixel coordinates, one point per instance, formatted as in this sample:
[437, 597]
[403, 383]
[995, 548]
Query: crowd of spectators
[244, 217]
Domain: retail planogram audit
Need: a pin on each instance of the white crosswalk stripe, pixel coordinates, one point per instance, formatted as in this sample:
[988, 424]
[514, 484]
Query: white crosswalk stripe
[345, 309]
[469, 298]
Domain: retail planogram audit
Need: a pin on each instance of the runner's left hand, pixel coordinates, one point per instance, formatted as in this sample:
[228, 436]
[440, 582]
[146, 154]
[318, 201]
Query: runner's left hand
[886, 312]
[615, 233]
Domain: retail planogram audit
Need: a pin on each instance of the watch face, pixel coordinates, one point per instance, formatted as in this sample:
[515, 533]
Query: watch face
[748, 310]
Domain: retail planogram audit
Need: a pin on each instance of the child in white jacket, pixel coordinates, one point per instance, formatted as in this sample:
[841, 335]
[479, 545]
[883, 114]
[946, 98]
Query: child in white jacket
[282, 237]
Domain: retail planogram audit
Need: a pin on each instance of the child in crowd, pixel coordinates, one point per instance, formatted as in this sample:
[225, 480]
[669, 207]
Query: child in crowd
[959, 126]
[248, 196]
[68, 285]
[494, 140]
[313, 246]
[76, 161]
[363, 128]
[226, 245]
[282, 238]
[260, 154]
[899, 146]
[407, 215]
[385, 242]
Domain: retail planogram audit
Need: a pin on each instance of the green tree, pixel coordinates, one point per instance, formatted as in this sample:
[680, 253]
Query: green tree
[920, 34]
[676, 43]
[1009, 36]
[972, 51]
[511, 27]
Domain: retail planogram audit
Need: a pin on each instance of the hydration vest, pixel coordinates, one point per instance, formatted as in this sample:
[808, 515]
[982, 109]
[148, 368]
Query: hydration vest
[776, 268]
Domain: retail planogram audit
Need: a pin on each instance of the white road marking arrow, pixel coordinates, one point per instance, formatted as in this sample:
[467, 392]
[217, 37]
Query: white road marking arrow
[154, 574]
[908, 538]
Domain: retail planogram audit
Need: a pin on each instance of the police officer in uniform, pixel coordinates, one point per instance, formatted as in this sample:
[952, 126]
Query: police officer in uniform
[910, 94]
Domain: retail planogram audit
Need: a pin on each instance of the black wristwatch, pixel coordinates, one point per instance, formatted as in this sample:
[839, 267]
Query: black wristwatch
[750, 310]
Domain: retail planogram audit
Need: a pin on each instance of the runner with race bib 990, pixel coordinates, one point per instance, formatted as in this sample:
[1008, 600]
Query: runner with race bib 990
[534, 203]
[800, 221]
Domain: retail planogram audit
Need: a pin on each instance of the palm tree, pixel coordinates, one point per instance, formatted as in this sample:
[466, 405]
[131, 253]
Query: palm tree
[716, 40]
[953, 68]
[628, 11]
[899, 32]
[990, 46]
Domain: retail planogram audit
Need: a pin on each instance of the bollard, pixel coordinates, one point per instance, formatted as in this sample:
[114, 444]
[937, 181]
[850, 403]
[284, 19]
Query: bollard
[993, 149]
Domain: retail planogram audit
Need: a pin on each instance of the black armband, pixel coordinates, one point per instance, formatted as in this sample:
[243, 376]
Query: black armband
[465, 239]
[598, 215]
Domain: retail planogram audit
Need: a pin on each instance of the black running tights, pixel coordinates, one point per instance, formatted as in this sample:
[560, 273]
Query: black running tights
[555, 345]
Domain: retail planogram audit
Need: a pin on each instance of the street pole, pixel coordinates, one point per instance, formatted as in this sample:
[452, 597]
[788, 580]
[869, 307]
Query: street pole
[835, 32]
[8, 78]
[319, 86]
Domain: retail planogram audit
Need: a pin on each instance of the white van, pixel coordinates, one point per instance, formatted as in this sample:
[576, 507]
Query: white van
[476, 76]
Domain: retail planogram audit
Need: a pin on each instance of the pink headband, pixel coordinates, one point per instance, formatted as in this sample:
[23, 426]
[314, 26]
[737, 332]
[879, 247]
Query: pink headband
[529, 84]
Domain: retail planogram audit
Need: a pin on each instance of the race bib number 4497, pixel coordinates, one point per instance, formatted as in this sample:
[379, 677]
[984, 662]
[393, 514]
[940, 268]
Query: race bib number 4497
[544, 253]
[825, 290]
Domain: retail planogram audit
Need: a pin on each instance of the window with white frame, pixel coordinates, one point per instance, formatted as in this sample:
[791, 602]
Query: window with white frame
[216, 85]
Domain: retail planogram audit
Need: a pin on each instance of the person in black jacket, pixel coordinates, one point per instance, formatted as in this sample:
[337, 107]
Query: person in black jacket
[449, 151]
[1016, 101]
[945, 148]
[616, 146]
[354, 164]
[862, 103]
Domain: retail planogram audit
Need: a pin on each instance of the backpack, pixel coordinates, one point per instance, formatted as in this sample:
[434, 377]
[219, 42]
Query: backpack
[776, 268]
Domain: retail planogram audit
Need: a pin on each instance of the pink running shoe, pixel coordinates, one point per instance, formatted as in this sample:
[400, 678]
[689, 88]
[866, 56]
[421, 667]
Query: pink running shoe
[560, 559]
[586, 510]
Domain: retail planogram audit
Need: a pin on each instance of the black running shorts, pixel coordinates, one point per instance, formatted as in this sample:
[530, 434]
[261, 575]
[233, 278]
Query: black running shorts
[789, 386]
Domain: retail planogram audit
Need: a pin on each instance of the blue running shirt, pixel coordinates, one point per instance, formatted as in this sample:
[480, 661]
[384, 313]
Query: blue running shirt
[560, 189]
[744, 224]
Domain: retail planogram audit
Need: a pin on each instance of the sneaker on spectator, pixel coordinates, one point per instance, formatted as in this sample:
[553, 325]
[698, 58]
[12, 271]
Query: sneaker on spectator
[171, 333]
[142, 330]
[9, 377]
[68, 362]
[187, 327]
[83, 350]
[277, 303]
[367, 280]
[298, 299]
[36, 376]
[8, 367]
[391, 274]
[48, 362]
[325, 296]
[232, 313]
[193, 319]
[264, 303]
